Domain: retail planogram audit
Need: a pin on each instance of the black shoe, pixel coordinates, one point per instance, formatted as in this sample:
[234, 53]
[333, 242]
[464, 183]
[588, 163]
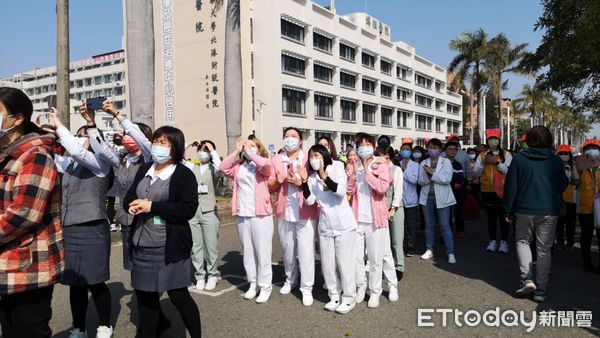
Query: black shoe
[409, 252]
[164, 324]
[399, 275]
[539, 296]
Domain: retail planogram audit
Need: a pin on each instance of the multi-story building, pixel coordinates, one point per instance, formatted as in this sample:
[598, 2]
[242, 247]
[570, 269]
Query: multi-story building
[303, 65]
[99, 75]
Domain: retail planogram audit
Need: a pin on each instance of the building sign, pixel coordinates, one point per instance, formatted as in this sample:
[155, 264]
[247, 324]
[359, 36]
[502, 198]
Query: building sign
[168, 59]
[207, 31]
[108, 57]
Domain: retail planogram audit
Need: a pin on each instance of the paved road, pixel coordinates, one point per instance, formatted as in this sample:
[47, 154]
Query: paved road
[479, 281]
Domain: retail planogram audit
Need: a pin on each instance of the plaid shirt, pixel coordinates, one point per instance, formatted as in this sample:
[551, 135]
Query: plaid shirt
[31, 242]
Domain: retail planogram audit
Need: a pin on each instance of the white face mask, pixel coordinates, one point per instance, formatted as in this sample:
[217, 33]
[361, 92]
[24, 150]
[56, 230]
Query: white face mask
[316, 163]
[253, 150]
[592, 154]
[4, 131]
[472, 156]
[203, 156]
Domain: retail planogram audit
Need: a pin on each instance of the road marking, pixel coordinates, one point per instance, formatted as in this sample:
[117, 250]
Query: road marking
[221, 292]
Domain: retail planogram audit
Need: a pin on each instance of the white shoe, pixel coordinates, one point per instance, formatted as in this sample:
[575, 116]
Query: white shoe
[113, 227]
[451, 259]
[104, 332]
[373, 301]
[427, 255]
[200, 285]
[345, 308]
[393, 293]
[360, 294]
[251, 293]
[307, 299]
[211, 284]
[76, 333]
[286, 288]
[333, 304]
[503, 247]
[263, 297]
[492, 247]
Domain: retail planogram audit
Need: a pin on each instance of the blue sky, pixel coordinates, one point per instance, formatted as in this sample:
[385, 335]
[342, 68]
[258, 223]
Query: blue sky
[96, 27]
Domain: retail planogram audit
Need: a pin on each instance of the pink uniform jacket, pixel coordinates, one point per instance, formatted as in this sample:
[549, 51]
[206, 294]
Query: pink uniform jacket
[379, 180]
[230, 166]
[307, 212]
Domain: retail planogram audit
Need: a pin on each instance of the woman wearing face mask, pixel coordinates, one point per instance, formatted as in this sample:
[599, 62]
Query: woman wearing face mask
[410, 197]
[568, 216]
[162, 199]
[588, 187]
[458, 186]
[326, 187]
[31, 234]
[296, 219]
[435, 176]
[367, 185]
[85, 181]
[473, 184]
[136, 137]
[251, 170]
[488, 164]
[418, 154]
[205, 224]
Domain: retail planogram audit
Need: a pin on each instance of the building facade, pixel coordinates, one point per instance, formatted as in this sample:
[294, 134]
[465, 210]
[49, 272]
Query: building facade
[302, 65]
[99, 75]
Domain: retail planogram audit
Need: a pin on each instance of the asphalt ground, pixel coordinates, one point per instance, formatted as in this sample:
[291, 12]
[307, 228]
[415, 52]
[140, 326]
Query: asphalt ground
[480, 281]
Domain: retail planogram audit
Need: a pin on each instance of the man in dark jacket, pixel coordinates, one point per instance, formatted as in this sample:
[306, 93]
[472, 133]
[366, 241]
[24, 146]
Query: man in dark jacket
[532, 191]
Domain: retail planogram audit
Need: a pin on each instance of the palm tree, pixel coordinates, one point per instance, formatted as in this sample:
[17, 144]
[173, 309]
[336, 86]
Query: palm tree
[140, 47]
[233, 73]
[501, 58]
[536, 101]
[467, 64]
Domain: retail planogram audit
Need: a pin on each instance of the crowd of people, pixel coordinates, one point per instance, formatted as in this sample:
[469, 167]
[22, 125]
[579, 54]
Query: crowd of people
[363, 207]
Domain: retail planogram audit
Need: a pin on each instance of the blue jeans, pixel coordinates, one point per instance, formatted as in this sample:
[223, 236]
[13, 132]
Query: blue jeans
[443, 219]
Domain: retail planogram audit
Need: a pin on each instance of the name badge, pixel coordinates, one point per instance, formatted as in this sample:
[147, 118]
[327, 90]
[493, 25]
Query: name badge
[203, 189]
[159, 220]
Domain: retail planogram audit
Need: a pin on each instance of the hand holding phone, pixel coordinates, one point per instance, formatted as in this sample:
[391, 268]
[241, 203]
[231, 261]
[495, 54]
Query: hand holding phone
[95, 103]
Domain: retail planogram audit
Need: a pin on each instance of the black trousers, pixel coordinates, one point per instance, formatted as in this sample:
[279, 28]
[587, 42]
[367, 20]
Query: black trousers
[586, 221]
[27, 314]
[412, 218]
[495, 210]
[459, 221]
[568, 222]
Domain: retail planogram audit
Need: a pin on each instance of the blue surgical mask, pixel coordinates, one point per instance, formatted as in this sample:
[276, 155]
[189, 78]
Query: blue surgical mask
[417, 155]
[161, 154]
[203, 156]
[290, 143]
[405, 154]
[365, 152]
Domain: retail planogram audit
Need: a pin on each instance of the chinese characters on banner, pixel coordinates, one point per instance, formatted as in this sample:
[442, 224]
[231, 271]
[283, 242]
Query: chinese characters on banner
[168, 58]
[212, 80]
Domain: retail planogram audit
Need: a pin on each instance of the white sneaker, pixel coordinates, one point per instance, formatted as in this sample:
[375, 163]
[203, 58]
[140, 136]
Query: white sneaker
[451, 259]
[76, 333]
[373, 301]
[360, 294]
[393, 293]
[104, 332]
[263, 297]
[333, 303]
[113, 227]
[427, 255]
[251, 293]
[286, 288]
[345, 308]
[503, 247]
[211, 284]
[492, 247]
[200, 285]
[307, 299]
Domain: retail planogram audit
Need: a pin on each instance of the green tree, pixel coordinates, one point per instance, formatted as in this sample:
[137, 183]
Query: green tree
[501, 58]
[568, 56]
[536, 101]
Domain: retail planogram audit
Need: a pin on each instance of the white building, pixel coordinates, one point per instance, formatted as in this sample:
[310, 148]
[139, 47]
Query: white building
[99, 75]
[302, 65]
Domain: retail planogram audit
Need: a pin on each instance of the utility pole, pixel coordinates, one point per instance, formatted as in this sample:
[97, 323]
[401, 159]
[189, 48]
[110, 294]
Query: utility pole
[62, 62]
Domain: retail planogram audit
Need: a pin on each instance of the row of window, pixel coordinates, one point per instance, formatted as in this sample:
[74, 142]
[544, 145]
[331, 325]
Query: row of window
[322, 73]
[294, 102]
[323, 43]
[90, 81]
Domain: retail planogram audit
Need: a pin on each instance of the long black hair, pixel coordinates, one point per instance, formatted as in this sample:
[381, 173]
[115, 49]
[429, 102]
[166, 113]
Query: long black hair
[317, 148]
